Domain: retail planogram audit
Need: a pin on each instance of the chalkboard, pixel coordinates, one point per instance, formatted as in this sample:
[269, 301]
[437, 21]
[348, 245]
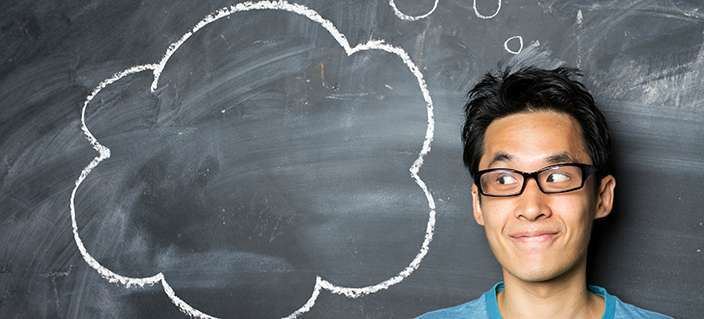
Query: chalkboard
[281, 159]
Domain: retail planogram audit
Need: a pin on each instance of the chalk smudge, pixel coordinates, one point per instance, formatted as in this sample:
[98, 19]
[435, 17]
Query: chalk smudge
[580, 20]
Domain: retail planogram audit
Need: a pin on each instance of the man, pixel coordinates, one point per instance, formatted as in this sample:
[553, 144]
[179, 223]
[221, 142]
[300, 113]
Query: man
[538, 151]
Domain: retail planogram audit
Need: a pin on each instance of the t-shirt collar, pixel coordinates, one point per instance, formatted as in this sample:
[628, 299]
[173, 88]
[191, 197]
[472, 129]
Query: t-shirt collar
[492, 307]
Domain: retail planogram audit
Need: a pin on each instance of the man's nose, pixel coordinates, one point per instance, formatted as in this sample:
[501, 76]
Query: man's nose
[531, 203]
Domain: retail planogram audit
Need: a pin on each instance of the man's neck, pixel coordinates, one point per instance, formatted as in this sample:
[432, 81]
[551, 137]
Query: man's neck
[564, 297]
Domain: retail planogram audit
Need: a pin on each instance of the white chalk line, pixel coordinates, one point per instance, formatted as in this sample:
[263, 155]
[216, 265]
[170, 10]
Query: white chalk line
[406, 17]
[520, 42]
[104, 152]
[476, 11]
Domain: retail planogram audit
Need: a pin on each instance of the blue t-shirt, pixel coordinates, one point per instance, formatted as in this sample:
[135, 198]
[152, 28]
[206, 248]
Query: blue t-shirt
[485, 307]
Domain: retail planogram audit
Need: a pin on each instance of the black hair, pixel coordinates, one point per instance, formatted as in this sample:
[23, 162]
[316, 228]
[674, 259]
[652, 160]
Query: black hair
[533, 89]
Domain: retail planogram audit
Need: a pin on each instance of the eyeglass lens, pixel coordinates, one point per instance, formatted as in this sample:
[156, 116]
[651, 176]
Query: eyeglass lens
[506, 182]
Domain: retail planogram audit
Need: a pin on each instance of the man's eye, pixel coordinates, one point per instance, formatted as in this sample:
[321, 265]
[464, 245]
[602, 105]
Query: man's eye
[505, 179]
[557, 178]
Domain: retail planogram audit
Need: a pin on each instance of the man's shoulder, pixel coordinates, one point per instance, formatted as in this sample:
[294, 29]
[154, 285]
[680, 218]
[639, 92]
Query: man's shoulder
[473, 309]
[628, 311]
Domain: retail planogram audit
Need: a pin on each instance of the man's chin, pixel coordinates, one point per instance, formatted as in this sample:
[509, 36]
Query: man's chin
[536, 277]
[537, 274]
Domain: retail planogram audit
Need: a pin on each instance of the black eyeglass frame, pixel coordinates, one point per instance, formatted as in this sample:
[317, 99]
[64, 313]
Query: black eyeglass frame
[587, 170]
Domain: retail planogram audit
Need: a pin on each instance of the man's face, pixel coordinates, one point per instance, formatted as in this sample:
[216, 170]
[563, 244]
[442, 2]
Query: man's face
[529, 138]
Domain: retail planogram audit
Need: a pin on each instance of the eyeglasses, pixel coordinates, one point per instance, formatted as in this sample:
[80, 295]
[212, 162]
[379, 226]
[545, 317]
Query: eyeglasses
[506, 182]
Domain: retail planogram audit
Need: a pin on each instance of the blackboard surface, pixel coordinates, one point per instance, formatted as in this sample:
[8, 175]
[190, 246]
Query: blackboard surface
[268, 156]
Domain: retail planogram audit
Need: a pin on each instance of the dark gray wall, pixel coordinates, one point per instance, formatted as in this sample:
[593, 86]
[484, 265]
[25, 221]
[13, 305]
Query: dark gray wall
[268, 157]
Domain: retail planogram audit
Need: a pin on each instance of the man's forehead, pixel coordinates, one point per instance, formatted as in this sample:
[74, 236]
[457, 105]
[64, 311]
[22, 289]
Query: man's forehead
[540, 138]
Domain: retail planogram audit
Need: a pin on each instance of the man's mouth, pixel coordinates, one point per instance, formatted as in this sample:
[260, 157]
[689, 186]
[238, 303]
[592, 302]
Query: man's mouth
[535, 238]
[539, 236]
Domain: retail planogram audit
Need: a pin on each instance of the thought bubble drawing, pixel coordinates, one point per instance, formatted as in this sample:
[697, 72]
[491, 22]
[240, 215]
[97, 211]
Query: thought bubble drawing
[404, 16]
[520, 44]
[476, 11]
[156, 70]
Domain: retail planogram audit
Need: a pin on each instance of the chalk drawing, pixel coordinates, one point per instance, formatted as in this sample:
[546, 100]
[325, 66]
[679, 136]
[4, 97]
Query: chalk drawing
[156, 69]
[520, 44]
[406, 17]
[403, 16]
[476, 11]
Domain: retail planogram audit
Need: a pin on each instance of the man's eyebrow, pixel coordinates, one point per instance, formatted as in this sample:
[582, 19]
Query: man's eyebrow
[552, 159]
[559, 158]
[501, 156]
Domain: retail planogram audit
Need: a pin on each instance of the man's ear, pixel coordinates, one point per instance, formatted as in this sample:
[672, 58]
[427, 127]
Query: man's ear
[476, 206]
[605, 197]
